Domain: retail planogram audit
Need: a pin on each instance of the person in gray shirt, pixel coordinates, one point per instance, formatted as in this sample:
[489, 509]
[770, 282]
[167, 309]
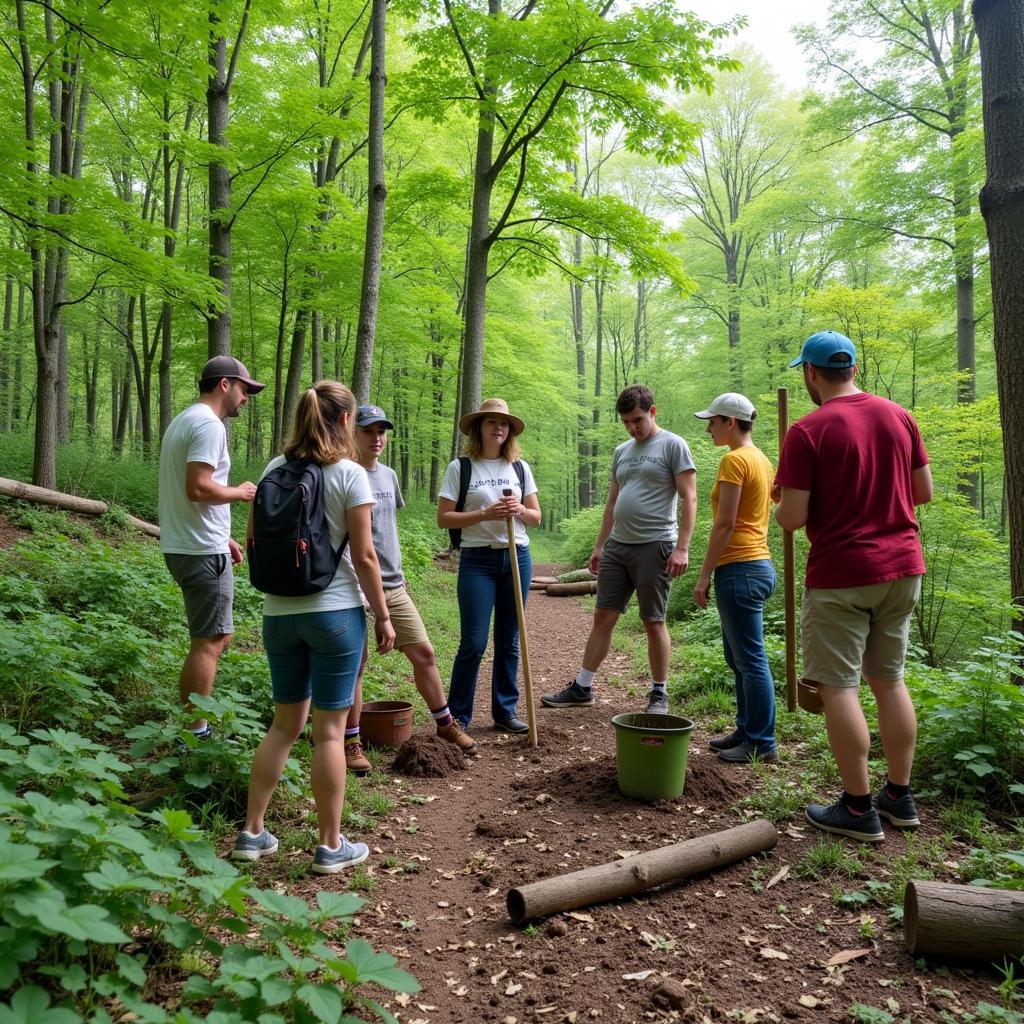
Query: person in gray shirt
[372, 426]
[641, 546]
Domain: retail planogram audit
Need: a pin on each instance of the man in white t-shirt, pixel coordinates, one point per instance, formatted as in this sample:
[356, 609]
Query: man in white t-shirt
[195, 519]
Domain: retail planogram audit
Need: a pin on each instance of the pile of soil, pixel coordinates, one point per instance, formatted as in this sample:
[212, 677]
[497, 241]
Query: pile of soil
[427, 757]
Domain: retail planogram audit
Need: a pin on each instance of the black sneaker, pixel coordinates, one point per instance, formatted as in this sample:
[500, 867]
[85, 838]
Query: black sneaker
[901, 811]
[841, 821]
[734, 739]
[657, 703]
[573, 696]
[514, 725]
[744, 753]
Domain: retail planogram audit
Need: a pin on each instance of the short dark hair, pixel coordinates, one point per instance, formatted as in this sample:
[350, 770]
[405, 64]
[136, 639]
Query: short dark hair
[745, 426]
[636, 395]
[837, 374]
[207, 385]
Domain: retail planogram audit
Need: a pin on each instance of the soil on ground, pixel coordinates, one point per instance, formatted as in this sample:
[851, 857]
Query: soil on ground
[750, 942]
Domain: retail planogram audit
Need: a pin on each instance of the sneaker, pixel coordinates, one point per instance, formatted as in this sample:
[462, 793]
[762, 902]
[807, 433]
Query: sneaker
[356, 760]
[248, 847]
[514, 725]
[734, 739]
[901, 812]
[657, 703]
[203, 735]
[573, 696]
[453, 733]
[329, 862]
[744, 753]
[840, 820]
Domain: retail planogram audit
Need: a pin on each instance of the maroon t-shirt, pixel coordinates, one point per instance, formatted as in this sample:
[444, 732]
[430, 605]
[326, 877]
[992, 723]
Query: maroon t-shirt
[855, 455]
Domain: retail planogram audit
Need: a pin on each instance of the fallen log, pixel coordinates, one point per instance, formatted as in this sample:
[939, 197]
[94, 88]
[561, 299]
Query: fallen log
[544, 580]
[572, 589]
[643, 871]
[576, 576]
[962, 922]
[68, 502]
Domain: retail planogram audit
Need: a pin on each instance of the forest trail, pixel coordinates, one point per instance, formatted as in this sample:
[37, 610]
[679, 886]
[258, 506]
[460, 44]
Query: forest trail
[754, 937]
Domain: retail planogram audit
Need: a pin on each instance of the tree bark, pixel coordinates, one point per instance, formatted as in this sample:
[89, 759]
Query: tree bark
[1000, 26]
[579, 341]
[643, 871]
[962, 922]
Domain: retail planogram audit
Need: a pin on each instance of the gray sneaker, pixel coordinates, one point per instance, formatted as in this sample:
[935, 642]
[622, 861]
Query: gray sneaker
[573, 696]
[900, 812]
[248, 847]
[657, 703]
[329, 862]
[841, 821]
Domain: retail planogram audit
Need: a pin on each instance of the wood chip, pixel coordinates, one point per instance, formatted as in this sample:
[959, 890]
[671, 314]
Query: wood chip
[846, 955]
[513, 989]
[773, 954]
[576, 916]
[778, 876]
[811, 1001]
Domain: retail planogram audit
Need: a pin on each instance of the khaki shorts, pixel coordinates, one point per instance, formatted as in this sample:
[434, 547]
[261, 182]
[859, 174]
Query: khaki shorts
[857, 631]
[405, 619]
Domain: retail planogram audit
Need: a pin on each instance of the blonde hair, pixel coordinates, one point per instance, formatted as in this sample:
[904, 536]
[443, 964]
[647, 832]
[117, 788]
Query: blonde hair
[318, 434]
[473, 446]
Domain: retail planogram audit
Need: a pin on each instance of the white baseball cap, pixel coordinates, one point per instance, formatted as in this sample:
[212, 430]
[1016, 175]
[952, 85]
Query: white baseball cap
[731, 404]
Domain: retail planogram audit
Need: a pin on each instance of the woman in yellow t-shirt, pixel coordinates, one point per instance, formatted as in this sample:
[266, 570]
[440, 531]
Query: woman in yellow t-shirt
[740, 560]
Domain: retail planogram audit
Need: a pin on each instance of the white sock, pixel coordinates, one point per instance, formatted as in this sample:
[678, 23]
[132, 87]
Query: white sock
[251, 835]
[585, 678]
[198, 730]
[660, 687]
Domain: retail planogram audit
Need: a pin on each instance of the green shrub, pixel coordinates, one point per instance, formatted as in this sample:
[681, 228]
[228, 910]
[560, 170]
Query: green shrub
[581, 530]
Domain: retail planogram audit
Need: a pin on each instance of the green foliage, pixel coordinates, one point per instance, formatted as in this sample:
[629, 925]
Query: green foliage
[581, 530]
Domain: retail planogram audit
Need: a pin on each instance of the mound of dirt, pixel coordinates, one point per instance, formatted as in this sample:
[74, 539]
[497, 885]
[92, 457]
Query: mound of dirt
[427, 757]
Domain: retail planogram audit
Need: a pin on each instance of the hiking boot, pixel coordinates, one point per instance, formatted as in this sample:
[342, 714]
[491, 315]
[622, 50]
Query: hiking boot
[734, 739]
[841, 821]
[657, 703]
[453, 733]
[356, 760]
[573, 696]
[901, 811]
[514, 725]
[329, 862]
[249, 847]
[744, 753]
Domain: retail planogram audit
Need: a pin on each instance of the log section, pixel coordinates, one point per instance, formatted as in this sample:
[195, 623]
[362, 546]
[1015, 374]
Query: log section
[963, 922]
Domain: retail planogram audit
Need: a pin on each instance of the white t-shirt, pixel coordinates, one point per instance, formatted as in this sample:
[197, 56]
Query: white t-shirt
[489, 477]
[345, 486]
[193, 527]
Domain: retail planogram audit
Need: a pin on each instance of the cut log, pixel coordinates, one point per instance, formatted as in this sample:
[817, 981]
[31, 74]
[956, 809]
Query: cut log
[544, 580]
[576, 576]
[68, 502]
[572, 589]
[963, 922]
[643, 871]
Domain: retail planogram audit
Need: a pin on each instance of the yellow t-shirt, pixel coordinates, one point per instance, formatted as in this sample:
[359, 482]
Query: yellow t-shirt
[747, 467]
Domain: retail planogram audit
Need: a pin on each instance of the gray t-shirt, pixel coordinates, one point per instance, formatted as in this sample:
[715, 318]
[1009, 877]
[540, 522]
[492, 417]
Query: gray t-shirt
[645, 471]
[388, 495]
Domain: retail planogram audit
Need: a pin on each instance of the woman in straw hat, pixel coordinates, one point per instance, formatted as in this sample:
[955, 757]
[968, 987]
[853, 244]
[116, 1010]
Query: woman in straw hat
[740, 561]
[485, 569]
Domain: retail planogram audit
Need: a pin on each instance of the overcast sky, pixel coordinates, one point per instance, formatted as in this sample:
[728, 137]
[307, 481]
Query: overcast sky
[768, 29]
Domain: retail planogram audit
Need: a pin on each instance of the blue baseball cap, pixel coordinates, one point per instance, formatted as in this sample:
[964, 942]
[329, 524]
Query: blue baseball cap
[827, 349]
[369, 414]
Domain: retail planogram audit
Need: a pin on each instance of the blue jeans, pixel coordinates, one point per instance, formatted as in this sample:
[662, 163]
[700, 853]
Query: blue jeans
[485, 586]
[741, 589]
[315, 655]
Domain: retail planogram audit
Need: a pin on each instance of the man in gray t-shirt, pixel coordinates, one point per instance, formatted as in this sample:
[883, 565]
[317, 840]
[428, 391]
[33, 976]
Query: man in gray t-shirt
[641, 547]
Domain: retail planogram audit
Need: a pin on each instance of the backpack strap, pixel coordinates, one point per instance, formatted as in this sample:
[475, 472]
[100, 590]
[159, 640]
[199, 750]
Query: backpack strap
[465, 472]
[521, 474]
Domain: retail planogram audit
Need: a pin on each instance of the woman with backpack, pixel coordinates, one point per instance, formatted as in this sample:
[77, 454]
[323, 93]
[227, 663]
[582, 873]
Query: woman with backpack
[314, 643]
[478, 495]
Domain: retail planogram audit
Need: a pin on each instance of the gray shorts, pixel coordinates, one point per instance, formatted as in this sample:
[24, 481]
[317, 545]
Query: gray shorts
[857, 631]
[208, 587]
[626, 568]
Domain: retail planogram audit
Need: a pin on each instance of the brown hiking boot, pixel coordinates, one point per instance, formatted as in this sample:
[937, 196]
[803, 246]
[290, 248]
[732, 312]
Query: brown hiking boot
[356, 760]
[453, 733]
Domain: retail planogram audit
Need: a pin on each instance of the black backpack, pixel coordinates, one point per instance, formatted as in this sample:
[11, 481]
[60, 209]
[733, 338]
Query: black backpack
[290, 553]
[465, 472]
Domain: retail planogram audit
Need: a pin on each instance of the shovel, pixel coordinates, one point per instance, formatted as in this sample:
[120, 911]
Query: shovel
[524, 650]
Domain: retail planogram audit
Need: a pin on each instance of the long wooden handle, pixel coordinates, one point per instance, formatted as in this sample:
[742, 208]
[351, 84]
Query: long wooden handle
[788, 572]
[524, 649]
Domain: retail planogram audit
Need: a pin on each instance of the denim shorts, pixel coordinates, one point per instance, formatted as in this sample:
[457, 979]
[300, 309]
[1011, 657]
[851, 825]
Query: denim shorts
[315, 655]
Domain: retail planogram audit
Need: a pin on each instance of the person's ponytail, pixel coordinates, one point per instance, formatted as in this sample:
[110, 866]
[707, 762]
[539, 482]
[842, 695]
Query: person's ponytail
[318, 433]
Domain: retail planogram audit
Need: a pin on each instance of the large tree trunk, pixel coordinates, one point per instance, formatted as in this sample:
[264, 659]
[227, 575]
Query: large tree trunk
[7, 349]
[579, 341]
[296, 360]
[1000, 25]
[376, 199]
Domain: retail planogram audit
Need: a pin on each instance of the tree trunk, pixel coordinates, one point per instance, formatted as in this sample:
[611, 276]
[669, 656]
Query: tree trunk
[296, 360]
[582, 424]
[7, 349]
[377, 197]
[962, 922]
[598, 359]
[1000, 26]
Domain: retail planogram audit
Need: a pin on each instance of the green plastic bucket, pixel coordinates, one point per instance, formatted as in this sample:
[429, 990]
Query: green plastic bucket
[651, 751]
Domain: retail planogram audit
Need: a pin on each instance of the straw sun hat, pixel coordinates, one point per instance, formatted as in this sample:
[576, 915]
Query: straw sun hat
[492, 407]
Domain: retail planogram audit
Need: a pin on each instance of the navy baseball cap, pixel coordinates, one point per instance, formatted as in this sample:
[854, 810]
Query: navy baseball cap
[369, 414]
[827, 349]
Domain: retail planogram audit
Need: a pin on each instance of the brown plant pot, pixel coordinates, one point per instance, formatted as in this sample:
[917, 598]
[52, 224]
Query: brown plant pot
[386, 723]
[808, 698]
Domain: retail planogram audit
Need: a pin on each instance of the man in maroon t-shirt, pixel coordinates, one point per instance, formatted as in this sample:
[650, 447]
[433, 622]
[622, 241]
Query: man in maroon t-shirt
[851, 472]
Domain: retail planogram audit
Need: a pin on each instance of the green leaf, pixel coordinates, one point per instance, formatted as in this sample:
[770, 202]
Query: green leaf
[31, 1005]
[379, 968]
[289, 907]
[275, 991]
[323, 1000]
[337, 904]
[20, 861]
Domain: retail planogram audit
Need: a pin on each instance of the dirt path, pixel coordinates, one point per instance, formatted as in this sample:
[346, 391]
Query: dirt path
[737, 946]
